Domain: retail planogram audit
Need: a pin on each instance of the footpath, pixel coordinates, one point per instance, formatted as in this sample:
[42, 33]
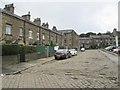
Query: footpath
[17, 68]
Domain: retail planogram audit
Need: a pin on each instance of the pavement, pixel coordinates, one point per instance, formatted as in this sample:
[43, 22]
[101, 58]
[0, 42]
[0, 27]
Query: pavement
[110, 55]
[17, 68]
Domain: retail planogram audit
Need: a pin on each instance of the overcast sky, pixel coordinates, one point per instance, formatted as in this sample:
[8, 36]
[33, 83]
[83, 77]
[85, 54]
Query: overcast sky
[83, 17]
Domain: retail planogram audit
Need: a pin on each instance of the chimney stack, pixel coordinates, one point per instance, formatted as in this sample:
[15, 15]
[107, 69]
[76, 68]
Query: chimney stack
[27, 16]
[45, 25]
[37, 21]
[54, 28]
[9, 8]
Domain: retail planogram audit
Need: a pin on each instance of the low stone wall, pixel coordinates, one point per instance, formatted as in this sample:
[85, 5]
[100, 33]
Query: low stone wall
[15, 59]
[41, 55]
[44, 55]
[10, 60]
[31, 56]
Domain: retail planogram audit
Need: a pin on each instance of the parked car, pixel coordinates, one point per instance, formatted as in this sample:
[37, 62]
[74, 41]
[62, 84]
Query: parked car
[110, 48]
[117, 50]
[73, 52]
[62, 54]
[82, 49]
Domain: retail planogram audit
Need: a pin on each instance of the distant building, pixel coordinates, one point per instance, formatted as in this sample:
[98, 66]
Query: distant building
[101, 40]
[96, 41]
[70, 39]
[85, 42]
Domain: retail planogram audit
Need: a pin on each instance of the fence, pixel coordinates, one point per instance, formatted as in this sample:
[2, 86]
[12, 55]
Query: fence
[45, 50]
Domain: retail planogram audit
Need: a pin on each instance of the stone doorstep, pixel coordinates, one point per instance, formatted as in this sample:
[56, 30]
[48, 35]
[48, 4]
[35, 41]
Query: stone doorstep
[27, 66]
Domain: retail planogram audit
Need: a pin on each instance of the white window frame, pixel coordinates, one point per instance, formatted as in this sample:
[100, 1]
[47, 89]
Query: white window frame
[43, 36]
[30, 34]
[38, 36]
[8, 29]
[21, 32]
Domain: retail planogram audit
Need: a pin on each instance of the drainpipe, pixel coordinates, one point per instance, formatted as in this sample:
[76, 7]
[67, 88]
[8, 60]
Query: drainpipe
[49, 36]
[24, 38]
[39, 35]
[56, 38]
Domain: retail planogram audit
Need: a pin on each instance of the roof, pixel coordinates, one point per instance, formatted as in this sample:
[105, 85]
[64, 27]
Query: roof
[95, 36]
[85, 38]
[67, 31]
[100, 36]
[21, 18]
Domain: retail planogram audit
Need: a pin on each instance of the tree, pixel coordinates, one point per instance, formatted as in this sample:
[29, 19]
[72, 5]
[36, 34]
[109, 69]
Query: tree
[99, 33]
[82, 35]
[87, 34]
[108, 33]
[90, 33]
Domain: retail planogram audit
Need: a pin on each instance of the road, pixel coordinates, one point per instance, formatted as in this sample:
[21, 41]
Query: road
[89, 69]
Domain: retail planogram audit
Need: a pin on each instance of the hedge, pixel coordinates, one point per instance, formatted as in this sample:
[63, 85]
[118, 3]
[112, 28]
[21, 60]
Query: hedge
[29, 49]
[10, 49]
[16, 49]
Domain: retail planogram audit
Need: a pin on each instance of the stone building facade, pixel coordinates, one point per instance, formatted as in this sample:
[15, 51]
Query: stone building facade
[85, 42]
[21, 30]
[102, 40]
[70, 39]
[96, 41]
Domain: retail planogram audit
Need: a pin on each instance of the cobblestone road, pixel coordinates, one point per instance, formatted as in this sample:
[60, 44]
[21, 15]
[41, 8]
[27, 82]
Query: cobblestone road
[89, 69]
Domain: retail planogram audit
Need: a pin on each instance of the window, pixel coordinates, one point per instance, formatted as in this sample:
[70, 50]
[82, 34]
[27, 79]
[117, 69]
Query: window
[30, 35]
[8, 29]
[43, 37]
[37, 36]
[52, 37]
[21, 32]
[65, 41]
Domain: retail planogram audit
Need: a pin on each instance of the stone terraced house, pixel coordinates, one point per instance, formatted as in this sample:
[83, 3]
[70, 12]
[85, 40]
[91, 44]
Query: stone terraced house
[96, 41]
[21, 30]
[70, 39]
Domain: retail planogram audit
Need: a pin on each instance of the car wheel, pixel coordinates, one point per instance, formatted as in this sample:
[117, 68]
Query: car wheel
[55, 58]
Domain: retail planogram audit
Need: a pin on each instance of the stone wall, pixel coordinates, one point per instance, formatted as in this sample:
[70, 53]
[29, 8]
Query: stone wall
[15, 59]
[10, 60]
[31, 56]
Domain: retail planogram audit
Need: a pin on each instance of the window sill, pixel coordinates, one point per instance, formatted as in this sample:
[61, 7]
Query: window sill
[9, 34]
[20, 36]
[30, 38]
